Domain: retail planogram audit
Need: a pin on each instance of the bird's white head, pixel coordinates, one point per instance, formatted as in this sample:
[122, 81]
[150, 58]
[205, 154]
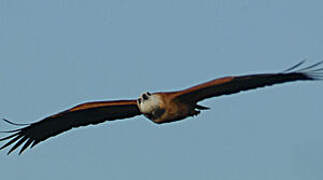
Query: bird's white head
[148, 102]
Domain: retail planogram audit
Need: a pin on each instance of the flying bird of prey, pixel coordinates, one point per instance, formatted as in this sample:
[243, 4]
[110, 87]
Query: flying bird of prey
[159, 107]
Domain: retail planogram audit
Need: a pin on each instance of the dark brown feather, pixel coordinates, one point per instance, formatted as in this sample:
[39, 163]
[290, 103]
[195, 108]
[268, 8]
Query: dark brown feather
[81, 115]
[231, 85]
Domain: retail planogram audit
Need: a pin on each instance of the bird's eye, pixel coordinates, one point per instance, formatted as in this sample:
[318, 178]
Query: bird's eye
[148, 93]
[144, 96]
[139, 101]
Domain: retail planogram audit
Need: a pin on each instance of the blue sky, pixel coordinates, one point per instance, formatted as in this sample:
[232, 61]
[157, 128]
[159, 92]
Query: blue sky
[56, 54]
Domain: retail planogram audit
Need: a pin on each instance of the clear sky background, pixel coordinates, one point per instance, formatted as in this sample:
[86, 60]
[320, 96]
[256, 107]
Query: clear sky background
[56, 54]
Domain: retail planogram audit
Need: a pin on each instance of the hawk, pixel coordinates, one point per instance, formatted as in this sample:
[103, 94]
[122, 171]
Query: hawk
[159, 107]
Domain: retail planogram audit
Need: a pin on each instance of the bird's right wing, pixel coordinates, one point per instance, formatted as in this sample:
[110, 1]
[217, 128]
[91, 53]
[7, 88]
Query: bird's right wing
[81, 115]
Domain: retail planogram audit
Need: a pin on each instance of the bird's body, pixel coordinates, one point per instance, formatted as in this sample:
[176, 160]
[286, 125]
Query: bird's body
[160, 107]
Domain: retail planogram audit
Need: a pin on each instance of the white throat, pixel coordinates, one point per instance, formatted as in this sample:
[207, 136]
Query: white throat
[147, 103]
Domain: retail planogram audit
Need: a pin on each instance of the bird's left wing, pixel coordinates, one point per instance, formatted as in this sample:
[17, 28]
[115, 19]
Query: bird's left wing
[80, 115]
[234, 84]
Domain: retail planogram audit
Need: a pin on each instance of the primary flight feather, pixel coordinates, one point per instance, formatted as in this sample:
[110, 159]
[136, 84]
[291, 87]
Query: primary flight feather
[160, 107]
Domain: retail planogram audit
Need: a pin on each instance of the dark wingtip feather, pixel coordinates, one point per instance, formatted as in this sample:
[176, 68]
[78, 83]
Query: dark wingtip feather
[25, 146]
[17, 138]
[10, 131]
[11, 142]
[18, 144]
[311, 66]
[12, 123]
[311, 72]
[8, 137]
[314, 74]
[295, 66]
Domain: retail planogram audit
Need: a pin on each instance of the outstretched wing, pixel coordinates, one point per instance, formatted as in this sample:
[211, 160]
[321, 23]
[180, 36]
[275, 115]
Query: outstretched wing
[81, 115]
[235, 84]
